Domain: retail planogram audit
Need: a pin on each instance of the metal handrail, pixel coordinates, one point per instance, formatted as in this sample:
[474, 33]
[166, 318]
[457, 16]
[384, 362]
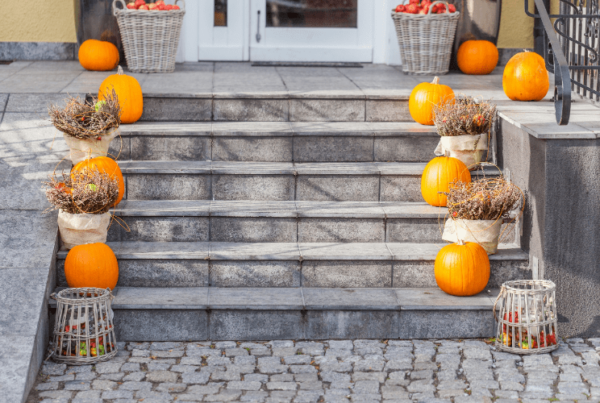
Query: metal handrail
[572, 51]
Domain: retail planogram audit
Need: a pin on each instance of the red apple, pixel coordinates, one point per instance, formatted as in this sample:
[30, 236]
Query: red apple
[400, 8]
[139, 3]
[415, 2]
[152, 7]
[159, 2]
[424, 10]
[162, 7]
[452, 8]
[168, 7]
[412, 9]
[131, 6]
[175, 7]
[144, 7]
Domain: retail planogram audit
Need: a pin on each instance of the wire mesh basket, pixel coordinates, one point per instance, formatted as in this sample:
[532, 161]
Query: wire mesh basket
[426, 40]
[527, 320]
[150, 38]
[83, 331]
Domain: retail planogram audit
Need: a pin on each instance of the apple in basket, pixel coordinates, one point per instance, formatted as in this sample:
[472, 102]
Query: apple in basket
[152, 7]
[175, 7]
[144, 7]
[139, 3]
[131, 6]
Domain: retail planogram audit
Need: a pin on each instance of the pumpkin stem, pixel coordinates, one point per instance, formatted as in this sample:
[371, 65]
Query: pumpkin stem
[461, 242]
[120, 71]
[436, 80]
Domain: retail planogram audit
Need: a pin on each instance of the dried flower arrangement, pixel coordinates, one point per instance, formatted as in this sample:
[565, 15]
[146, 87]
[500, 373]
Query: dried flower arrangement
[88, 191]
[87, 120]
[464, 116]
[484, 199]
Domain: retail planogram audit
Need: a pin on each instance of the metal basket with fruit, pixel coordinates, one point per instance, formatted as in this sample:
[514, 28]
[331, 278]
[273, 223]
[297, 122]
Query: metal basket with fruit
[425, 32]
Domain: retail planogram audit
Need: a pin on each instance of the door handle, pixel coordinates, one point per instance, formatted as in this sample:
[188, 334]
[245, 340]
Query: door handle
[258, 26]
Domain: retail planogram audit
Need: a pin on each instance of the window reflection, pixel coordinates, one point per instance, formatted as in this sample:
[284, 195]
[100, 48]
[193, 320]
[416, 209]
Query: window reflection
[220, 13]
[312, 13]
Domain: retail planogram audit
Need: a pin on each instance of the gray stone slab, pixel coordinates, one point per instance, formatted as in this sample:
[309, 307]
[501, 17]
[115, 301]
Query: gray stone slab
[16, 369]
[257, 149]
[167, 129]
[38, 83]
[258, 168]
[248, 208]
[350, 299]
[387, 111]
[255, 274]
[336, 168]
[351, 324]
[166, 167]
[37, 51]
[242, 325]
[169, 148]
[36, 103]
[253, 187]
[400, 168]
[256, 298]
[333, 149]
[3, 99]
[254, 251]
[177, 109]
[415, 230]
[161, 325]
[251, 110]
[436, 299]
[158, 250]
[341, 129]
[252, 129]
[168, 187]
[160, 229]
[349, 209]
[160, 298]
[158, 208]
[253, 229]
[346, 274]
[196, 83]
[344, 251]
[400, 189]
[341, 230]
[326, 110]
[337, 188]
[445, 324]
[405, 149]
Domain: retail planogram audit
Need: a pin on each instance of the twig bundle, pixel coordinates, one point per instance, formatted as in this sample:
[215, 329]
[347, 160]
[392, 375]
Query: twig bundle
[484, 199]
[85, 120]
[464, 115]
[88, 191]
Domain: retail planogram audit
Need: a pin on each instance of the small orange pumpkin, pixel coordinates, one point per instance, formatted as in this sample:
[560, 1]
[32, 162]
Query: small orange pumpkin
[98, 55]
[103, 164]
[438, 174]
[525, 77]
[129, 92]
[92, 265]
[477, 57]
[424, 97]
[462, 269]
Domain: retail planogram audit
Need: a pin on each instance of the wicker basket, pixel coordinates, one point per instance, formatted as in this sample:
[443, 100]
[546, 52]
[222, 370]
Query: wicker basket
[150, 38]
[83, 330]
[426, 41]
[528, 320]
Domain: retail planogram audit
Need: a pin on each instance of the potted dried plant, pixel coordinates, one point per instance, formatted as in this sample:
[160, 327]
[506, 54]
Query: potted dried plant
[476, 210]
[83, 200]
[88, 127]
[465, 126]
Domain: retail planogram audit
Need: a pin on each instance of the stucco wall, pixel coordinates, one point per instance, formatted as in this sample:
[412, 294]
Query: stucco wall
[516, 28]
[37, 21]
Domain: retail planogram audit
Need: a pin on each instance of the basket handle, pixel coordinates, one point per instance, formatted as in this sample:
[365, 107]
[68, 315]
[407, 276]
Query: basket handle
[115, 9]
[183, 1]
[436, 2]
[500, 295]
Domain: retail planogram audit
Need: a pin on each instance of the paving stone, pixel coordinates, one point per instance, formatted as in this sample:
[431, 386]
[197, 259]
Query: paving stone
[130, 385]
[88, 396]
[51, 368]
[111, 377]
[171, 387]
[57, 394]
[244, 385]
[47, 386]
[297, 359]
[104, 385]
[108, 367]
[134, 376]
[117, 394]
[77, 385]
[281, 386]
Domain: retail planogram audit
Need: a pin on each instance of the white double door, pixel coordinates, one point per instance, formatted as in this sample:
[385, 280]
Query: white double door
[284, 30]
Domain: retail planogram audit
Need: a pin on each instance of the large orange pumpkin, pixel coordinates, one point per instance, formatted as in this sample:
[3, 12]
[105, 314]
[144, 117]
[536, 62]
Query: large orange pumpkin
[462, 269]
[477, 57]
[424, 97]
[91, 265]
[129, 92]
[103, 164]
[438, 174]
[525, 77]
[98, 55]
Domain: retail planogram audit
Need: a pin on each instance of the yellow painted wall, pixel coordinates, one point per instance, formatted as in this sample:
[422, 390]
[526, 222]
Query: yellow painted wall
[37, 21]
[516, 28]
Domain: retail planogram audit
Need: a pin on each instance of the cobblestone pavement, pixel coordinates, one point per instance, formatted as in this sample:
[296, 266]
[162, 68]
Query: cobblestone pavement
[332, 371]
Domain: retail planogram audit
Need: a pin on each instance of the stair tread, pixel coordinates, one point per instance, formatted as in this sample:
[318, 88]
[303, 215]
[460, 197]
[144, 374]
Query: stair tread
[291, 251]
[297, 299]
[280, 168]
[277, 129]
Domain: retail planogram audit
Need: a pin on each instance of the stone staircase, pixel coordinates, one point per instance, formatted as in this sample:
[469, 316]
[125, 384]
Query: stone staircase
[254, 230]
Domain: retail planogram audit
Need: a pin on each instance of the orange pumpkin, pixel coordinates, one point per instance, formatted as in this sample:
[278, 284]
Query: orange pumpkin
[525, 77]
[462, 269]
[438, 174]
[477, 57]
[98, 55]
[103, 164]
[91, 265]
[129, 92]
[424, 97]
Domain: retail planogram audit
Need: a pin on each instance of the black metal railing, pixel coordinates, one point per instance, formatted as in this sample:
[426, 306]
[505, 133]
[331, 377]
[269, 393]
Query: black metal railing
[571, 51]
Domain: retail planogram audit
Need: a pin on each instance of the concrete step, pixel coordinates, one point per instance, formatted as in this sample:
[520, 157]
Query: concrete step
[326, 265]
[277, 142]
[275, 181]
[284, 221]
[301, 106]
[213, 313]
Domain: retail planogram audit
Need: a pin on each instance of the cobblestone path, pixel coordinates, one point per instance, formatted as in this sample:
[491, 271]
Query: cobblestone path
[332, 371]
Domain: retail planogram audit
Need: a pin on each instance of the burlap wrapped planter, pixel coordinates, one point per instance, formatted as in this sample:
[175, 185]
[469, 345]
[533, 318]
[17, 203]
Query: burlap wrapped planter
[79, 229]
[470, 149]
[484, 232]
[82, 149]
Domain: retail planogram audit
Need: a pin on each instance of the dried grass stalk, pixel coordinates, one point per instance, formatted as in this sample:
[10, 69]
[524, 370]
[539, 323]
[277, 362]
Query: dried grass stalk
[89, 191]
[464, 115]
[83, 120]
[484, 199]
